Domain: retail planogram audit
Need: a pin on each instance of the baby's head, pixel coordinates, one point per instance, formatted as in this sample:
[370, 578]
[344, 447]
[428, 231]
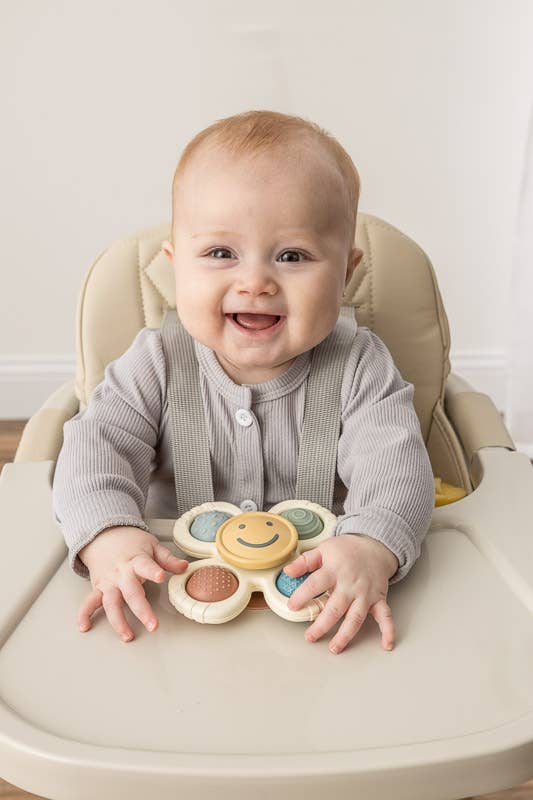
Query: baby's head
[263, 222]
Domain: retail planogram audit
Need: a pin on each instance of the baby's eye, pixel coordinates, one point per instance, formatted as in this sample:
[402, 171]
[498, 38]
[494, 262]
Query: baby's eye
[218, 250]
[295, 252]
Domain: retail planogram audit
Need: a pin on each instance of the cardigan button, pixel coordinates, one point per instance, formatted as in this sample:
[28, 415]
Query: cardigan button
[248, 505]
[243, 417]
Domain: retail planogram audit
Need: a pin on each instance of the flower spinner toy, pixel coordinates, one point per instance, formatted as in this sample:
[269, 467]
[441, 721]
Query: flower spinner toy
[242, 552]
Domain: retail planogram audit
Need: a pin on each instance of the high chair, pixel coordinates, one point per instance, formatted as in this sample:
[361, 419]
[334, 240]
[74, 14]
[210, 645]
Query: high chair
[250, 709]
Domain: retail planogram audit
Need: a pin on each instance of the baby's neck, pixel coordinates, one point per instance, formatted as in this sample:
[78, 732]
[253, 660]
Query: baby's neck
[253, 376]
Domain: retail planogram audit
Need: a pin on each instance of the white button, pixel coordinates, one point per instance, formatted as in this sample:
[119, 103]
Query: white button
[248, 505]
[243, 417]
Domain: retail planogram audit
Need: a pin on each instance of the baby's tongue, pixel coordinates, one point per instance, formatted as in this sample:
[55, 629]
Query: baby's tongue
[256, 321]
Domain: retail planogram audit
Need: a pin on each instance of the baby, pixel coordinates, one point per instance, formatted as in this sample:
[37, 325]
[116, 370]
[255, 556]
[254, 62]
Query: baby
[262, 247]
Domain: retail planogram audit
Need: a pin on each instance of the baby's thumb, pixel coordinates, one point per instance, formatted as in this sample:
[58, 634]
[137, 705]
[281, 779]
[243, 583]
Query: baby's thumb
[169, 561]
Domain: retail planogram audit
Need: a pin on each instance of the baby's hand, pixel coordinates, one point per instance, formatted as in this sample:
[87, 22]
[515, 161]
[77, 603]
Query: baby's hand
[357, 568]
[119, 561]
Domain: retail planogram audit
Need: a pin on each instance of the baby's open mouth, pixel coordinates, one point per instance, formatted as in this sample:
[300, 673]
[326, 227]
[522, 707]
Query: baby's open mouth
[255, 321]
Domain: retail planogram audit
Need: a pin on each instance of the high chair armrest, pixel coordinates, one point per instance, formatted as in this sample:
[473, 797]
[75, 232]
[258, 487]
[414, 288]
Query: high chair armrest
[32, 544]
[42, 436]
[496, 517]
[475, 418]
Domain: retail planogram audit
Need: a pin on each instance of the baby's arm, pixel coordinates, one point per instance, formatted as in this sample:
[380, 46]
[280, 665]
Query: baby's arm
[120, 560]
[383, 461]
[101, 482]
[103, 469]
[382, 458]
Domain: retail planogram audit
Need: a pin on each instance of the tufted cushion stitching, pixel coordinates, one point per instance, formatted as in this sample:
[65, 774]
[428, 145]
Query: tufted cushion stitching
[79, 325]
[139, 278]
[163, 305]
[444, 361]
[379, 223]
[370, 276]
[382, 224]
[442, 326]
[81, 353]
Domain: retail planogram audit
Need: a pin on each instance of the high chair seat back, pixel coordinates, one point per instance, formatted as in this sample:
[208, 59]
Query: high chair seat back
[394, 290]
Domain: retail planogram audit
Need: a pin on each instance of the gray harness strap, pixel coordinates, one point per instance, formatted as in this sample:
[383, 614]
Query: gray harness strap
[317, 458]
[190, 442]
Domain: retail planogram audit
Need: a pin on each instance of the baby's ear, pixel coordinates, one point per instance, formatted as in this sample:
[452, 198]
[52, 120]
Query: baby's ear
[356, 255]
[168, 249]
[353, 260]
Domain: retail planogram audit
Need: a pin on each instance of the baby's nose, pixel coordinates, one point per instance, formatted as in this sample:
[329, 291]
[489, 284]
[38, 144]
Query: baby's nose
[256, 278]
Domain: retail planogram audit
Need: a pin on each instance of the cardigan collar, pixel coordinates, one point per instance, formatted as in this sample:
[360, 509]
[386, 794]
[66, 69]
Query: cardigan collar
[252, 392]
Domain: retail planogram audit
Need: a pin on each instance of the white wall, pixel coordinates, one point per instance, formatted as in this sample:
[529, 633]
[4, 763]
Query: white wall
[98, 99]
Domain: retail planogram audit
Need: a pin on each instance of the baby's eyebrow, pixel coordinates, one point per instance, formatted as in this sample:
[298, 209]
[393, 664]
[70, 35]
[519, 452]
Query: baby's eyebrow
[215, 233]
[292, 232]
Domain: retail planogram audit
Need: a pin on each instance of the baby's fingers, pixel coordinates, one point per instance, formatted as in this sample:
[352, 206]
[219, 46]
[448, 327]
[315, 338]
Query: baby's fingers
[382, 613]
[92, 602]
[145, 567]
[306, 562]
[112, 602]
[169, 561]
[135, 597]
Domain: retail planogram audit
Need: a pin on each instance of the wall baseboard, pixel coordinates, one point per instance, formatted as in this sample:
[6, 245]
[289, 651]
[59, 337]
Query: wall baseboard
[485, 371]
[26, 382]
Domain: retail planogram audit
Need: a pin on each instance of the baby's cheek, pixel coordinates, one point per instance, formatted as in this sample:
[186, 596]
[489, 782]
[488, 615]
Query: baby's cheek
[198, 316]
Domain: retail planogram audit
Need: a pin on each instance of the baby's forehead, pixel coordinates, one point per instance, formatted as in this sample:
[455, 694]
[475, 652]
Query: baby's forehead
[298, 184]
[307, 156]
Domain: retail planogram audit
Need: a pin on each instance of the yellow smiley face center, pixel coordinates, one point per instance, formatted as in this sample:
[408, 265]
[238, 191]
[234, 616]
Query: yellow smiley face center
[256, 540]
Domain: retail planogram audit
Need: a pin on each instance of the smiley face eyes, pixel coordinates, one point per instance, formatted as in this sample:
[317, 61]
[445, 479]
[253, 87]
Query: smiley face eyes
[307, 523]
[242, 525]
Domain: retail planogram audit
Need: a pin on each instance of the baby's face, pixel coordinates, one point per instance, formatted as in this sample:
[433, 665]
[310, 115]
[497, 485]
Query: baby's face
[267, 236]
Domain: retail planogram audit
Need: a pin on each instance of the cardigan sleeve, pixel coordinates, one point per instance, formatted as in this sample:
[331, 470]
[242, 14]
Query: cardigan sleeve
[103, 470]
[382, 458]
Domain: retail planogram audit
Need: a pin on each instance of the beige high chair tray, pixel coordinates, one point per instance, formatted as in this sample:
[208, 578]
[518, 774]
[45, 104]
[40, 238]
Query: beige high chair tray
[250, 709]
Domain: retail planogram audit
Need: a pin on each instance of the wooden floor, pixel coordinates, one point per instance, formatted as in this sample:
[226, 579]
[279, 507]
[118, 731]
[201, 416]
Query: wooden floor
[10, 432]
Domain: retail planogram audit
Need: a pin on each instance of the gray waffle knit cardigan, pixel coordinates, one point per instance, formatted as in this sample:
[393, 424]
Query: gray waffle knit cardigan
[115, 466]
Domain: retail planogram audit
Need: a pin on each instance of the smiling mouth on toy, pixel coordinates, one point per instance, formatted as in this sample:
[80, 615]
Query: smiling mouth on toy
[264, 544]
